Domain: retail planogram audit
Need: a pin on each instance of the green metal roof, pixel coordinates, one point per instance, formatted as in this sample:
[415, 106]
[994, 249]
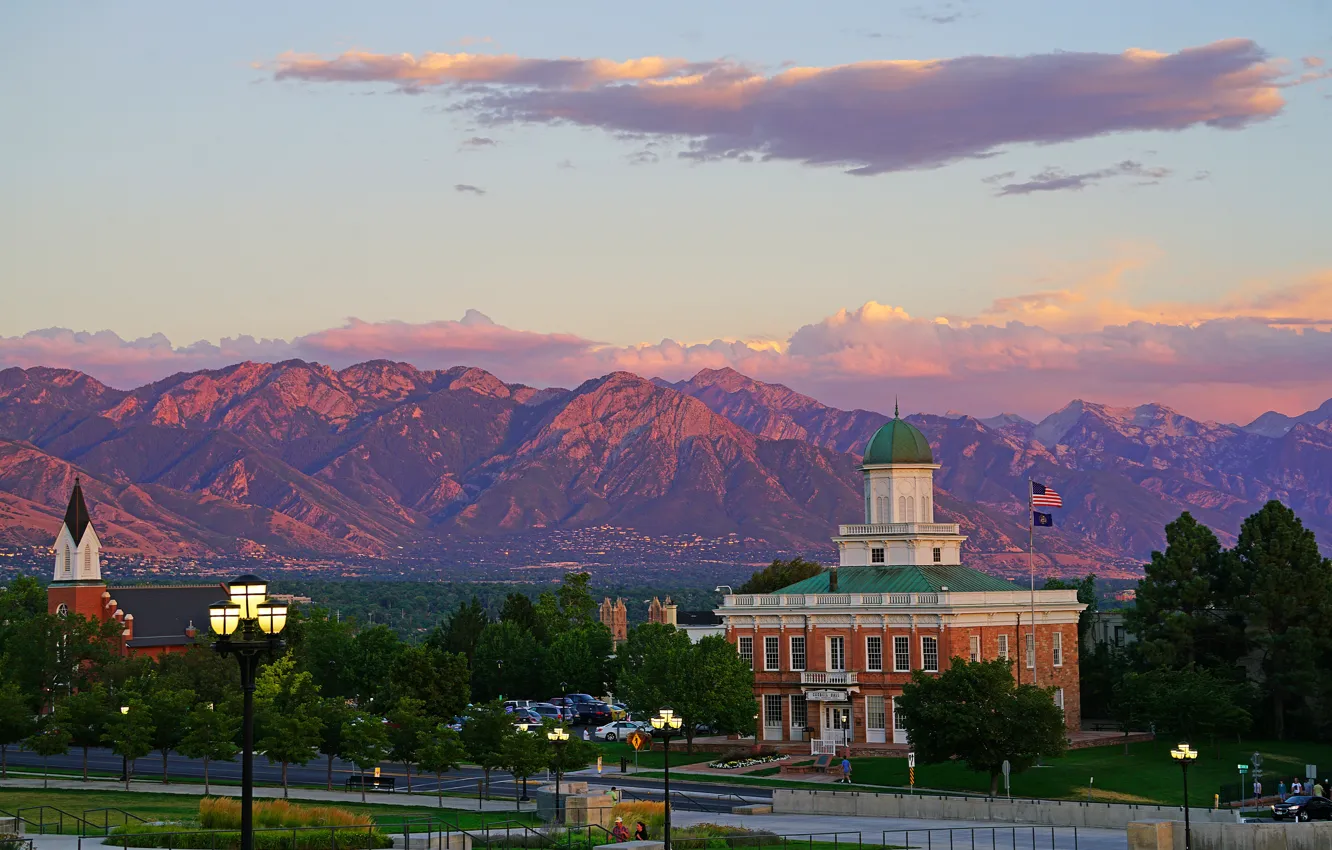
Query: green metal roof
[898, 442]
[908, 579]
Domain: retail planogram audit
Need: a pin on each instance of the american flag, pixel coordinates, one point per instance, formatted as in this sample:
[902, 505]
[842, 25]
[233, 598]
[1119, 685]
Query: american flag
[1044, 497]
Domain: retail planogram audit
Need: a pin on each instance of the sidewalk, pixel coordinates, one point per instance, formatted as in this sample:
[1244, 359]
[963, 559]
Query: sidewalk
[379, 798]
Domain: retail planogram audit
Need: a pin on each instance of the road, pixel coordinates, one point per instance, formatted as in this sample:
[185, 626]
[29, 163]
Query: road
[695, 796]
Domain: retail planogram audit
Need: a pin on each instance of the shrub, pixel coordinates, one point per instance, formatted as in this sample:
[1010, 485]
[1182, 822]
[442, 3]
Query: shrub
[652, 814]
[176, 836]
[224, 813]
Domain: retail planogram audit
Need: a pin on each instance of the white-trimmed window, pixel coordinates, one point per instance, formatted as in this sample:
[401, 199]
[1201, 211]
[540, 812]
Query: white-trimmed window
[1003, 647]
[938, 555]
[772, 653]
[799, 712]
[87, 559]
[772, 710]
[1057, 648]
[1031, 652]
[1059, 698]
[897, 716]
[876, 555]
[875, 715]
[836, 654]
[67, 558]
[975, 648]
[874, 654]
[929, 654]
[746, 645]
[901, 654]
[797, 652]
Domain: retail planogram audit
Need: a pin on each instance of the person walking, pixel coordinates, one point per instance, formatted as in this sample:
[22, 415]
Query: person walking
[1281, 790]
[1296, 787]
[1257, 791]
[614, 795]
[1318, 789]
[846, 770]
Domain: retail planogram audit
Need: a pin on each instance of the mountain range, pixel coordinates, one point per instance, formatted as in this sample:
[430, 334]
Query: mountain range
[297, 459]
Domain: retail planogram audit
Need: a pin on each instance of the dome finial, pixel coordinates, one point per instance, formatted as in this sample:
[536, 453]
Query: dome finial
[895, 416]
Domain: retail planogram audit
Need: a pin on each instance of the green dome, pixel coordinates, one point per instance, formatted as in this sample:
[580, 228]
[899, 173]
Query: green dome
[898, 442]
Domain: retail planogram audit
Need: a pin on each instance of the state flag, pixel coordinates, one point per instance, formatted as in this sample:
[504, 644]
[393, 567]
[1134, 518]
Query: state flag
[1042, 520]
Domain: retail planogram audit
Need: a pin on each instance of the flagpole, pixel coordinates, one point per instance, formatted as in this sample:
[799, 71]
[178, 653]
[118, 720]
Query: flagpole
[1031, 568]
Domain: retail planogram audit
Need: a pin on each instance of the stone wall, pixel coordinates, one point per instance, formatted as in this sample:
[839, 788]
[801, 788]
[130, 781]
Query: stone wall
[1231, 836]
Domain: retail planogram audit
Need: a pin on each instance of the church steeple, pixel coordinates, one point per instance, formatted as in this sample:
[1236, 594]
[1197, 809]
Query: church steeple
[76, 515]
[77, 548]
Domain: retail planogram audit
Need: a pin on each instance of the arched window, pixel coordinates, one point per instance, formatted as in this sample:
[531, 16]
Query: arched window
[901, 509]
[62, 609]
[910, 510]
[924, 508]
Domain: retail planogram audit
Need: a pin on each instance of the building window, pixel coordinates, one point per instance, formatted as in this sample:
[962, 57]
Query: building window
[874, 654]
[62, 610]
[67, 557]
[876, 555]
[1119, 635]
[1057, 648]
[938, 555]
[798, 652]
[1059, 698]
[799, 712]
[924, 508]
[836, 654]
[87, 559]
[1003, 646]
[929, 654]
[901, 654]
[874, 713]
[975, 648]
[1031, 652]
[897, 716]
[772, 710]
[772, 654]
[747, 651]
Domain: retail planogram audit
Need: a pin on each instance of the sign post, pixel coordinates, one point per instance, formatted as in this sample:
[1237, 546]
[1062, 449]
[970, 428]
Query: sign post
[1239, 812]
[1008, 768]
[911, 770]
[636, 740]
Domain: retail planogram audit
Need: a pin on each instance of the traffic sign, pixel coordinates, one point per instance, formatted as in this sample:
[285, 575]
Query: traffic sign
[1008, 768]
[637, 740]
[911, 759]
[1243, 768]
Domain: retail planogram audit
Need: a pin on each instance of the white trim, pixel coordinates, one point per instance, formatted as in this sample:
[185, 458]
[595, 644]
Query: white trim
[776, 642]
[907, 668]
[923, 663]
[1057, 645]
[804, 653]
[868, 662]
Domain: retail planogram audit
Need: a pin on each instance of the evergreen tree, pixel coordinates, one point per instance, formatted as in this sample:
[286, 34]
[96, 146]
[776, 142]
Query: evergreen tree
[780, 574]
[508, 662]
[437, 678]
[463, 629]
[519, 610]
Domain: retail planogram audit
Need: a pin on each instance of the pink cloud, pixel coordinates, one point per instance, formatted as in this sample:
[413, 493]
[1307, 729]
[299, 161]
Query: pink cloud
[871, 117]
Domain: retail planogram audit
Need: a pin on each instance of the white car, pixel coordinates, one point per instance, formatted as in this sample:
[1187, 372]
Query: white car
[621, 729]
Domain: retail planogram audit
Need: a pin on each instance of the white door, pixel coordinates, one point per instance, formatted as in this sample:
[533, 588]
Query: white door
[875, 720]
[899, 731]
[837, 724]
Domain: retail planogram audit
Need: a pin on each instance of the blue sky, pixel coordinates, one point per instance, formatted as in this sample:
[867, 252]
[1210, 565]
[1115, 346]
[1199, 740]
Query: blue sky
[158, 179]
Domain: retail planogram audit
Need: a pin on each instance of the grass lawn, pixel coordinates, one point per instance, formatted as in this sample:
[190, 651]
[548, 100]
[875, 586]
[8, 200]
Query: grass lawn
[182, 807]
[612, 751]
[1146, 775]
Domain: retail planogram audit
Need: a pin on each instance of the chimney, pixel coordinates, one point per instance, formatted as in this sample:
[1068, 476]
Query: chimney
[832, 580]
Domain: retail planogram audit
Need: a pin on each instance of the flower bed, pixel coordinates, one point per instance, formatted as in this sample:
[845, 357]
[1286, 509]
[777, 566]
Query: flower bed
[736, 764]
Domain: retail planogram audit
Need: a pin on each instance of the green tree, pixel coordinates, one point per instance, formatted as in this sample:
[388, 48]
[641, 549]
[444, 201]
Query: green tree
[1191, 705]
[644, 664]
[364, 743]
[1183, 613]
[1284, 587]
[54, 656]
[211, 676]
[976, 713]
[437, 678]
[439, 750]
[780, 574]
[714, 687]
[23, 599]
[210, 734]
[580, 657]
[49, 740]
[483, 736]
[373, 652]
[519, 610]
[1086, 588]
[169, 708]
[508, 662]
[407, 720]
[524, 753]
[130, 733]
[322, 646]
[333, 714]
[570, 607]
[16, 721]
[84, 716]
[462, 630]
[286, 706]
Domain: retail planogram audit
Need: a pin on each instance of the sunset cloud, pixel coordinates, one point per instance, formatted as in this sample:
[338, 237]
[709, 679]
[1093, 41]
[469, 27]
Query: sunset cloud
[869, 117]
[1058, 180]
[1258, 348]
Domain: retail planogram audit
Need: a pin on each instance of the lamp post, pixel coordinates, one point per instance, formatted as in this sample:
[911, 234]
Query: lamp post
[558, 738]
[666, 724]
[1185, 755]
[247, 624]
[523, 727]
[124, 762]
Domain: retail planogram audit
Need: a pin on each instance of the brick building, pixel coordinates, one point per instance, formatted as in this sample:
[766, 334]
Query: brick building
[831, 652]
[154, 619]
[615, 616]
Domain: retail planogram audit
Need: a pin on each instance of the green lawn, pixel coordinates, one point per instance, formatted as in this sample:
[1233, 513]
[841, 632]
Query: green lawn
[183, 807]
[613, 751]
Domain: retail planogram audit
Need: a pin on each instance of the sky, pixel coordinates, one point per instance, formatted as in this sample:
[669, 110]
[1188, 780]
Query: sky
[970, 205]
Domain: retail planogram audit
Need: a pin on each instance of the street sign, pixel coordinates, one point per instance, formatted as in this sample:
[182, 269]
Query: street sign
[1243, 768]
[637, 740]
[1310, 771]
[376, 773]
[911, 760]
[1008, 768]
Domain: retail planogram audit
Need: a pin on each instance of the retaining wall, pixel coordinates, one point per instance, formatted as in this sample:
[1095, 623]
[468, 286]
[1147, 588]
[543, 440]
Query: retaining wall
[997, 809]
[1231, 836]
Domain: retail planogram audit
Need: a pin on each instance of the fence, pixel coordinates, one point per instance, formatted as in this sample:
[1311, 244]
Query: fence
[683, 801]
[985, 838]
[360, 837]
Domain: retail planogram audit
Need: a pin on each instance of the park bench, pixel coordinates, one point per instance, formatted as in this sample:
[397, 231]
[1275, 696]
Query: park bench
[372, 783]
[821, 764]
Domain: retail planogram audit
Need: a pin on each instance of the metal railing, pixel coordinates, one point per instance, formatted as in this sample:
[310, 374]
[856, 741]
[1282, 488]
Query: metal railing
[353, 837]
[110, 819]
[46, 819]
[985, 838]
[819, 677]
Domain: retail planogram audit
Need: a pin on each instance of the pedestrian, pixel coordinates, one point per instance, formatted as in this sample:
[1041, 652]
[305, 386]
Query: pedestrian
[1257, 791]
[640, 832]
[615, 796]
[1318, 789]
[846, 770]
[1281, 790]
[1296, 788]
[620, 831]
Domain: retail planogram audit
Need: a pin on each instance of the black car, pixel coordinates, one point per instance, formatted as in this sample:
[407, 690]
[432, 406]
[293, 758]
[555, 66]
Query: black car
[593, 713]
[1303, 808]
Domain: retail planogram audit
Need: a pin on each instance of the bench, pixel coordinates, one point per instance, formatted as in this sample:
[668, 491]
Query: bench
[372, 783]
[821, 764]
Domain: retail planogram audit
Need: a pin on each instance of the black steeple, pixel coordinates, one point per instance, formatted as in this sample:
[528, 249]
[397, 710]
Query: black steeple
[76, 515]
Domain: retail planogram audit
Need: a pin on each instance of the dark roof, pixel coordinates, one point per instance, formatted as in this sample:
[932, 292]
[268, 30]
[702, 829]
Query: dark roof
[697, 618]
[907, 579]
[76, 515]
[165, 611]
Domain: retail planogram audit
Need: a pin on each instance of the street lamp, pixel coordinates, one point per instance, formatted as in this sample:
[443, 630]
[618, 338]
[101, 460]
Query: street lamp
[1186, 755]
[247, 624]
[666, 724]
[558, 738]
[124, 762]
[523, 727]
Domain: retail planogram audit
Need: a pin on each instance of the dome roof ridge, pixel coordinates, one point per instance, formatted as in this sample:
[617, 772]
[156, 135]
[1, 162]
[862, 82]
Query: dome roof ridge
[898, 441]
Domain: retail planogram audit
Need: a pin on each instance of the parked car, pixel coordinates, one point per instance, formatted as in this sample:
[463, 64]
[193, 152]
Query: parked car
[618, 730]
[618, 712]
[525, 715]
[1303, 808]
[511, 704]
[593, 713]
[546, 711]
